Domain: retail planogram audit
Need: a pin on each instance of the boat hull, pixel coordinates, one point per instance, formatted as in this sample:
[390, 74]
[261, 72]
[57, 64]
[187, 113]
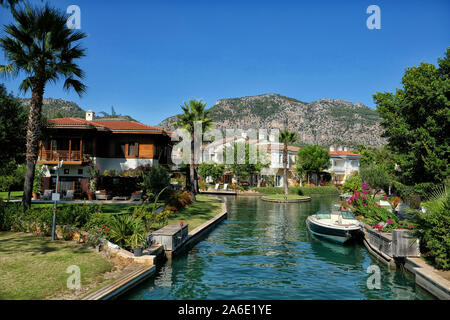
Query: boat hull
[332, 234]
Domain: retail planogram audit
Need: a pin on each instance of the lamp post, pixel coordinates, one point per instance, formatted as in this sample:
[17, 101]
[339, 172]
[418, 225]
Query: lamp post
[55, 203]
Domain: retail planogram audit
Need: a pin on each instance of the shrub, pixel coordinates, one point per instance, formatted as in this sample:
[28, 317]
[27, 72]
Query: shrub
[317, 190]
[155, 179]
[14, 217]
[123, 227]
[178, 200]
[433, 230]
[352, 183]
[365, 206]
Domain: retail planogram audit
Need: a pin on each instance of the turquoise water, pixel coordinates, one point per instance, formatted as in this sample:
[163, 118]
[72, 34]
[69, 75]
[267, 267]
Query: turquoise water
[264, 251]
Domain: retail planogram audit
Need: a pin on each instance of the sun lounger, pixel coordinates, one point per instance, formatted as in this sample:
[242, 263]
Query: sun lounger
[69, 195]
[102, 195]
[136, 196]
[47, 195]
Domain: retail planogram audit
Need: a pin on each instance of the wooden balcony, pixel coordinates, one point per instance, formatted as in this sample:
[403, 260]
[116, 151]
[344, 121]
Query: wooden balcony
[54, 157]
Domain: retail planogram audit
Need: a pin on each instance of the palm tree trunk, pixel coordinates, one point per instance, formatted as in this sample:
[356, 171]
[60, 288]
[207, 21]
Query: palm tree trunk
[192, 172]
[33, 134]
[286, 187]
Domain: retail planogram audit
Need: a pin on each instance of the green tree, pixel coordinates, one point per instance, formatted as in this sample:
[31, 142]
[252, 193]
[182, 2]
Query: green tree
[155, 179]
[242, 166]
[376, 176]
[286, 137]
[416, 122]
[11, 176]
[41, 46]
[313, 159]
[352, 183]
[193, 112]
[12, 129]
[211, 169]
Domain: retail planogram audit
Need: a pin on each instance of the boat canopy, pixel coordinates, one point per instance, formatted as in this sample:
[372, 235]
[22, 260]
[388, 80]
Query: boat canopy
[323, 215]
[347, 215]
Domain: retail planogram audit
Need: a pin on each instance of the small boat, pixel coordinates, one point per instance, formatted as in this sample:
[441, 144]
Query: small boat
[338, 226]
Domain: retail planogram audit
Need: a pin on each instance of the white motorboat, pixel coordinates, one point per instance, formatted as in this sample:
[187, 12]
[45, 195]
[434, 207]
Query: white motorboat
[338, 226]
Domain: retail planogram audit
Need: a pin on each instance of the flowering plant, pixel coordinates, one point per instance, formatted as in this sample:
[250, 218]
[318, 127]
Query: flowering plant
[363, 205]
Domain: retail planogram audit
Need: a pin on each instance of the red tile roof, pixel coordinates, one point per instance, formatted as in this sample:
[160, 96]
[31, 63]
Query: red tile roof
[343, 153]
[109, 125]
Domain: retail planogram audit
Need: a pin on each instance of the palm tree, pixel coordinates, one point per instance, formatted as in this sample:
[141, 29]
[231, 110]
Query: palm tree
[192, 113]
[41, 46]
[286, 137]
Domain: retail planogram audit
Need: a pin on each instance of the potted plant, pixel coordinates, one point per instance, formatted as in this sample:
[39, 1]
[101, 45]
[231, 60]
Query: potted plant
[92, 188]
[94, 173]
[38, 174]
[137, 241]
[138, 237]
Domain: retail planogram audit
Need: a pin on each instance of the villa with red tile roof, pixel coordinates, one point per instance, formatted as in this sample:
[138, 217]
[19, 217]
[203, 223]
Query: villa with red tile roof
[113, 144]
[343, 164]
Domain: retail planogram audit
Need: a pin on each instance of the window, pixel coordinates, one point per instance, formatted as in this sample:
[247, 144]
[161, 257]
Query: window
[131, 149]
[120, 150]
[80, 171]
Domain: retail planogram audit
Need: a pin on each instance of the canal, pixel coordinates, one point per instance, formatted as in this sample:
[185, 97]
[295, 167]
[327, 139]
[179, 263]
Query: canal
[264, 251]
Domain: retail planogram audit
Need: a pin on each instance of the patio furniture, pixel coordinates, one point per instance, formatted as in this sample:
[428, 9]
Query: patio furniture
[216, 187]
[47, 195]
[69, 195]
[102, 195]
[136, 196]
[225, 187]
[120, 198]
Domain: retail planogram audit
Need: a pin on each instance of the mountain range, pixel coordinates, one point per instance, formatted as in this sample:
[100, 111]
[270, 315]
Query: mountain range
[59, 108]
[325, 122]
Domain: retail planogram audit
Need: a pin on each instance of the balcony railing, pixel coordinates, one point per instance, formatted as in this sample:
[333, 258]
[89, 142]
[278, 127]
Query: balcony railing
[59, 155]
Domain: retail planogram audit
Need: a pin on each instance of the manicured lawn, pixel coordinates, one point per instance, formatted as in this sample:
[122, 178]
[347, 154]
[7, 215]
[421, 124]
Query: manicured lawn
[14, 195]
[198, 212]
[34, 267]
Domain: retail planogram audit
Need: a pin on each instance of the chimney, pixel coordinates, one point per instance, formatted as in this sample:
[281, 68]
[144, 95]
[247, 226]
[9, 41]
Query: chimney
[90, 115]
[345, 149]
[339, 148]
[331, 148]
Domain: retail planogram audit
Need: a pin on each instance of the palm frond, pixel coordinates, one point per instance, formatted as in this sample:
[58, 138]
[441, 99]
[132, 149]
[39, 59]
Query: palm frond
[40, 36]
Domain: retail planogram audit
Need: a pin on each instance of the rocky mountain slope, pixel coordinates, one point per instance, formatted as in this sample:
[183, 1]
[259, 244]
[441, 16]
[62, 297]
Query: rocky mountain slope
[325, 122]
[59, 108]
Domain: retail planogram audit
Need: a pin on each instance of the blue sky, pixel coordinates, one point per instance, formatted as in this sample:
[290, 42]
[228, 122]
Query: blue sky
[146, 57]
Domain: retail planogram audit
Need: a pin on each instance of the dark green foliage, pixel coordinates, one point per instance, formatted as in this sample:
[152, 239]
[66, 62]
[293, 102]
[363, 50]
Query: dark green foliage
[376, 176]
[12, 129]
[241, 166]
[155, 179]
[213, 170]
[416, 122]
[312, 159]
[433, 228]
[123, 227]
[13, 216]
[12, 177]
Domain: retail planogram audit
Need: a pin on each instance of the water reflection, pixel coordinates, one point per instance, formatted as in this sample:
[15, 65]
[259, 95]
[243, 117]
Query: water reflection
[264, 251]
